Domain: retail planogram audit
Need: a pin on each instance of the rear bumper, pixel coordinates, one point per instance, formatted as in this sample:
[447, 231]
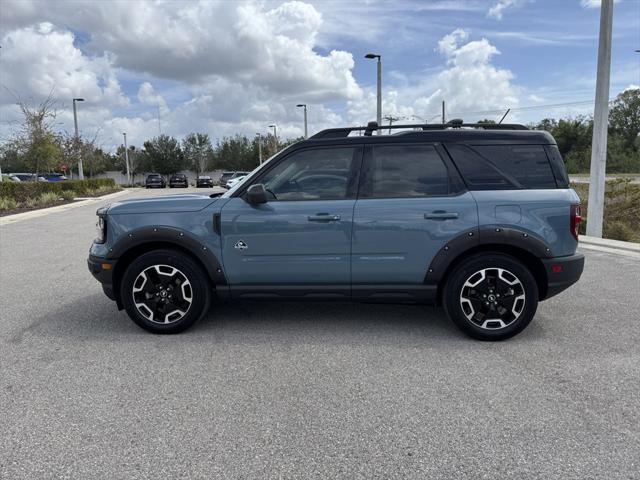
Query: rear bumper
[562, 272]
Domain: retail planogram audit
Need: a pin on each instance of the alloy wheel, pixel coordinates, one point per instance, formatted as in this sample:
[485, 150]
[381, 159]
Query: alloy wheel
[492, 298]
[162, 294]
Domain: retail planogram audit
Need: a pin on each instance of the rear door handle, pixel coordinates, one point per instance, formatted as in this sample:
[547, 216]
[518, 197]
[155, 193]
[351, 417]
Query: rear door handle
[440, 215]
[323, 217]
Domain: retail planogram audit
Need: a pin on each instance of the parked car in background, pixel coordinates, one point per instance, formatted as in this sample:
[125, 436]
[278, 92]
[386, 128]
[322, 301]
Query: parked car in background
[155, 180]
[234, 181]
[54, 177]
[178, 180]
[226, 176]
[10, 177]
[29, 177]
[204, 181]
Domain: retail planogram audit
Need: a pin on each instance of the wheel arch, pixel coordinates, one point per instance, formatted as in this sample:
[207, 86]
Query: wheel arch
[141, 241]
[528, 249]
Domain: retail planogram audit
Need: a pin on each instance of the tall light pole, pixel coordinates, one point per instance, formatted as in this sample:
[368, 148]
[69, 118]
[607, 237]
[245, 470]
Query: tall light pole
[75, 122]
[275, 136]
[379, 94]
[259, 137]
[306, 133]
[595, 211]
[126, 158]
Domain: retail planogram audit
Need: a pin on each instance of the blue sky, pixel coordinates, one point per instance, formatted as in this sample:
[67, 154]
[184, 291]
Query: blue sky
[225, 67]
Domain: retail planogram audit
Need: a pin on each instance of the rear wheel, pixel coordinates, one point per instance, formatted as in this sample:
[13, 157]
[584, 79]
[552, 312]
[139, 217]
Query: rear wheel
[491, 296]
[165, 291]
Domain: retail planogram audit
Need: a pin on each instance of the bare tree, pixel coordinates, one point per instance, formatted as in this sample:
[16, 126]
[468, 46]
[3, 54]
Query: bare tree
[36, 140]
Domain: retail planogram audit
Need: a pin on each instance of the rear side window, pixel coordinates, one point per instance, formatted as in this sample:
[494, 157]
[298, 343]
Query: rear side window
[406, 171]
[500, 167]
[557, 165]
[528, 164]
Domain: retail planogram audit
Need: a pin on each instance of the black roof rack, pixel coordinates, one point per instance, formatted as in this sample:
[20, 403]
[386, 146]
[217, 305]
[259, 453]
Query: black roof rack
[456, 123]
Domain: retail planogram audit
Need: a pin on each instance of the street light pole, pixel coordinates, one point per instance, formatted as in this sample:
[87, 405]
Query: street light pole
[379, 89]
[306, 133]
[595, 211]
[126, 158]
[275, 136]
[259, 147]
[75, 122]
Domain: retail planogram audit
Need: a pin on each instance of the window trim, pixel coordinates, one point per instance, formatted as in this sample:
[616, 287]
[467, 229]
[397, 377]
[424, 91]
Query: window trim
[457, 186]
[352, 181]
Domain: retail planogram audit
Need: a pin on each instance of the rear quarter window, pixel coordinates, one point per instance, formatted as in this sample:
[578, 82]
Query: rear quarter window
[503, 167]
[528, 164]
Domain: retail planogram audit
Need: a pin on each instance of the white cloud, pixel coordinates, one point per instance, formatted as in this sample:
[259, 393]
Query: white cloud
[497, 9]
[468, 83]
[593, 3]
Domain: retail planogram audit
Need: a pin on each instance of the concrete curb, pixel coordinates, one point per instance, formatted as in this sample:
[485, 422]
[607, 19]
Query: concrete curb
[60, 208]
[605, 242]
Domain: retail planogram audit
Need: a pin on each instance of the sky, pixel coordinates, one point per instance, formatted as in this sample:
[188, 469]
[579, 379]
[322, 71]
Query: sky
[147, 67]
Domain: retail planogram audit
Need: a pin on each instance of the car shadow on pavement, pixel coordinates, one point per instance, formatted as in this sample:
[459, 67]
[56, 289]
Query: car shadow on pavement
[95, 317]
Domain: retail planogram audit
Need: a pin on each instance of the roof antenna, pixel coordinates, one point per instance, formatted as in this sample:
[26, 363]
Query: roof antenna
[505, 114]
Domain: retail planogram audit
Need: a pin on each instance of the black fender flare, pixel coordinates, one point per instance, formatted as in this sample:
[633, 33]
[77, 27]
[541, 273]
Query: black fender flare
[485, 235]
[175, 236]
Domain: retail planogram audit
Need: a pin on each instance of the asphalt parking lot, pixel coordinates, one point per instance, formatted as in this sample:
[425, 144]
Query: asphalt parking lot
[306, 390]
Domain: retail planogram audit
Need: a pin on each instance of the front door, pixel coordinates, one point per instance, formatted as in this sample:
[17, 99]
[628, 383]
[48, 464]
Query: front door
[299, 240]
[411, 203]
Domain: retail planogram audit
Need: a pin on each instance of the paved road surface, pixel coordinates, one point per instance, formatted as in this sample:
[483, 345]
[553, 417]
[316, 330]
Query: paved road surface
[277, 390]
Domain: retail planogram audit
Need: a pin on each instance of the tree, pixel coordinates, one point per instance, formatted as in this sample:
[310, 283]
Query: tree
[624, 117]
[162, 155]
[198, 151]
[36, 142]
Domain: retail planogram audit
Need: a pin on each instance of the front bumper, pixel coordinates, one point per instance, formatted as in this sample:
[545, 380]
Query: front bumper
[102, 270]
[562, 272]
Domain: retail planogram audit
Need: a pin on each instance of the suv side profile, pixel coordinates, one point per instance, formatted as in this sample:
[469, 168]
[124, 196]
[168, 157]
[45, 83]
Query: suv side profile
[476, 218]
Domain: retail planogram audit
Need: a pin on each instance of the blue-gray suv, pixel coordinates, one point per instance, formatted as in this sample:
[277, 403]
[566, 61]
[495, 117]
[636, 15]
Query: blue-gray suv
[477, 218]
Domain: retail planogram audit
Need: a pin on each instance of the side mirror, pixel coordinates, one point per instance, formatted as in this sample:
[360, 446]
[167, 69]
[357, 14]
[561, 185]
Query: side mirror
[256, 194]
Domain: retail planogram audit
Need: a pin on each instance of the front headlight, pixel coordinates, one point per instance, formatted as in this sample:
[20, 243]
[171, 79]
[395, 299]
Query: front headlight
[101, 230]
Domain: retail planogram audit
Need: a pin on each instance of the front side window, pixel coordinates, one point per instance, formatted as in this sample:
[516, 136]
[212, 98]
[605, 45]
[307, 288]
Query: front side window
[314, 174]
[406, 171]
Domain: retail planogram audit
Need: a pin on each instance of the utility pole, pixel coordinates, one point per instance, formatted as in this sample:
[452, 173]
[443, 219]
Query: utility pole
[595, 212]
[306, 133]
[443, 115]
[77, 142]
[259, 137]
[159, 127]
[126, 159]
[391, 119]
[379, 89]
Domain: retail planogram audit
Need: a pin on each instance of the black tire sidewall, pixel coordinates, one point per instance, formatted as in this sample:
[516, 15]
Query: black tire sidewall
[468, 267]
[197, 277]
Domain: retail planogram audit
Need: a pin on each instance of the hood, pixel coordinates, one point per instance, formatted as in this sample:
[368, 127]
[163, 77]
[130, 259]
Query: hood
[186, 202]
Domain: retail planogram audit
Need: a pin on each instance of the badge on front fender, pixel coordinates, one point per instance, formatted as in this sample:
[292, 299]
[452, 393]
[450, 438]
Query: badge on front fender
[240, 245]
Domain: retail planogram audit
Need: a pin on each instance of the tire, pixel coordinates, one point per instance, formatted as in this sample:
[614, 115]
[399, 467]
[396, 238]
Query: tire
[491, 296]
[165, 291]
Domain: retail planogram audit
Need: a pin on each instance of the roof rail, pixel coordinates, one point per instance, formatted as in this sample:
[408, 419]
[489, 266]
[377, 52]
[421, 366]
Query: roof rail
[456, 123]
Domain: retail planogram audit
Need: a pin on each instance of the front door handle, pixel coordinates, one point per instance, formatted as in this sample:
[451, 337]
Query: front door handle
[440, 215]
[323, 217]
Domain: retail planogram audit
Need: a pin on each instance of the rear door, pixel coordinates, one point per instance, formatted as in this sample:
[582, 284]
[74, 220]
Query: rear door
[301, 238]
[411, 202]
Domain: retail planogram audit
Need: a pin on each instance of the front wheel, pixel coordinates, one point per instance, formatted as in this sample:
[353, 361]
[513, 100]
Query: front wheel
[165, 291]
[491, 296]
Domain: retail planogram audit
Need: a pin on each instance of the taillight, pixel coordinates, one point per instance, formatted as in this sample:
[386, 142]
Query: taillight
[575, 219]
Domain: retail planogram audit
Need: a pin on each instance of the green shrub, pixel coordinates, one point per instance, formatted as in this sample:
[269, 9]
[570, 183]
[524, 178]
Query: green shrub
[68, 195]
[7, 204]
[47, 199]
[23, 191]
[618, 231]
